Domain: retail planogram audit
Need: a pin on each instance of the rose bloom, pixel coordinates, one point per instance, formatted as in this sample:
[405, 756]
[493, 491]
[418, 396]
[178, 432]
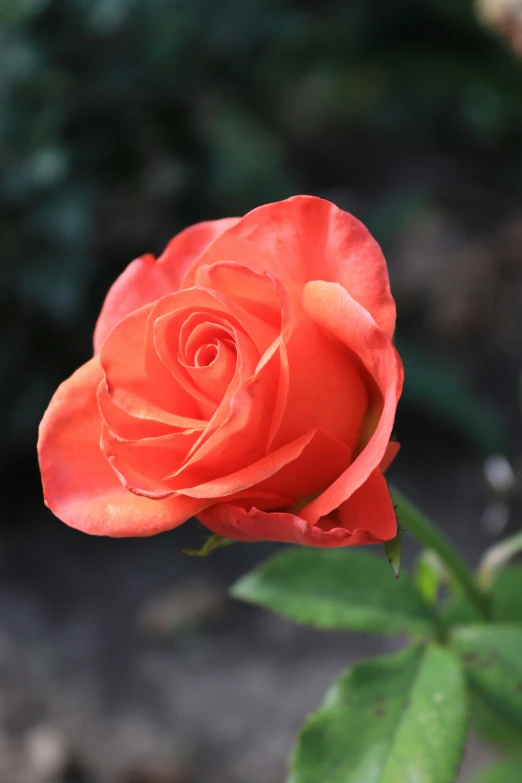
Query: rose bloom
[246, 377]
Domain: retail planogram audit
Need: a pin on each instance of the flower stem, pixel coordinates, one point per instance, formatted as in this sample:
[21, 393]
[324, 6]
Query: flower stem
[420, 527]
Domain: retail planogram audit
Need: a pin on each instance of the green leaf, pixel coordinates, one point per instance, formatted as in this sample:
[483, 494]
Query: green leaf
[337, 588]
[492, 657]
[505, 772]
[506, 607]
[457, 610]
[393, 550]
[401, 718]
[430, 572]
[491, 726]
[505, 596]
[211, 544]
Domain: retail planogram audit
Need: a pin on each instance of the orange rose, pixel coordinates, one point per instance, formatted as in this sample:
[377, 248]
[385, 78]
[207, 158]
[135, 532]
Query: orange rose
[246, 377]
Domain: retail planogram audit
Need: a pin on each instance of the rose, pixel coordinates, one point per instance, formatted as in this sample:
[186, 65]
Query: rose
[246, 377]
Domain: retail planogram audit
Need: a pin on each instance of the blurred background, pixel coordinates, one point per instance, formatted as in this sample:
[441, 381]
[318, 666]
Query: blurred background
[123, 121]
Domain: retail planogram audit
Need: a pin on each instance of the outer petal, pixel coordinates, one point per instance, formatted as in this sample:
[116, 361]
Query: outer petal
[146, 279]
[392, 449]
[329, 305]
[370, 508]
[306, 238]
[254, 525]
[368, 517]
[80, 486]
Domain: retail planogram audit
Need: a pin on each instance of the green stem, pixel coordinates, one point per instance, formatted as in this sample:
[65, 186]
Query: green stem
[420, 527]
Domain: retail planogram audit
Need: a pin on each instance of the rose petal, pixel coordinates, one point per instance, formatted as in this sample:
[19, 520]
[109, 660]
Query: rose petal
[369, 508]
[254, 525]
[261, 377]
[392, 449]
[256, 294]
[253, 475]
[190, 302]
[169, 337]
[80, 487]
[146, 280]
[334, 310]
[322, 384]
[239, 438]
[306, 238]
[297, 469]
[137, 381]
[214, 370]
[142, 464]
[130, 427]
[368, 517]
[322, 460]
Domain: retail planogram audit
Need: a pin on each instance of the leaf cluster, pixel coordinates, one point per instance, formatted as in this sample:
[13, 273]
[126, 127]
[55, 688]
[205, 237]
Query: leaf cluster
[402, 717]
